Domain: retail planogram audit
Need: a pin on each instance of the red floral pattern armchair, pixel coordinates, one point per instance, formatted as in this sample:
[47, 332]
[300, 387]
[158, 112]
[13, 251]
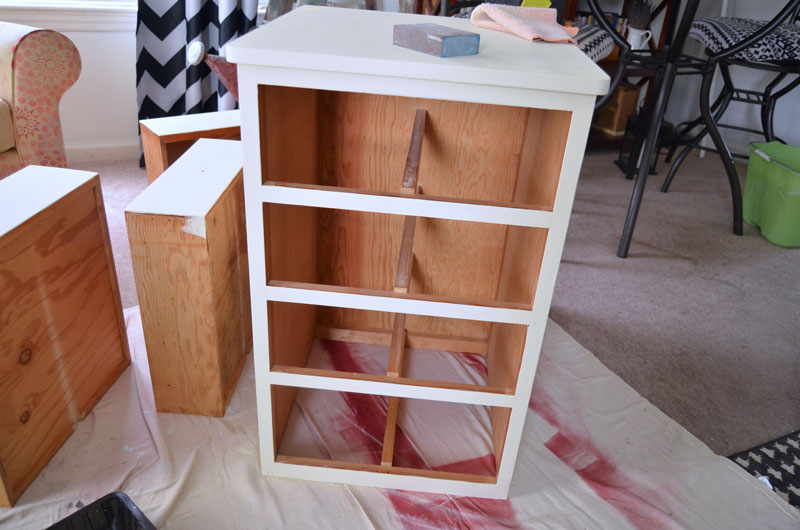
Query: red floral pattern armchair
[36, 68]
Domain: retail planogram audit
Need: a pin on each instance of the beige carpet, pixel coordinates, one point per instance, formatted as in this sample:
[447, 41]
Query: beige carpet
[704, 324]
[121, 182]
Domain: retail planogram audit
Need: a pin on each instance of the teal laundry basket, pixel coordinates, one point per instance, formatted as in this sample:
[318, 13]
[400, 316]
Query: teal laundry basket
[771, 198]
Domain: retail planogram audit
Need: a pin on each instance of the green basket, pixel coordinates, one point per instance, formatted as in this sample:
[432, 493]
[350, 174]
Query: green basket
[771, 199]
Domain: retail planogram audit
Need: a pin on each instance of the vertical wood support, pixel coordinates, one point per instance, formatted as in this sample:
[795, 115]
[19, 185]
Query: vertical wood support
[414, 152]
[402, 277]
[404, 264]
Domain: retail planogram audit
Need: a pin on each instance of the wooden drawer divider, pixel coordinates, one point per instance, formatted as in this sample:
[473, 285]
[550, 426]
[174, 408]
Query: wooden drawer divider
[404, 264]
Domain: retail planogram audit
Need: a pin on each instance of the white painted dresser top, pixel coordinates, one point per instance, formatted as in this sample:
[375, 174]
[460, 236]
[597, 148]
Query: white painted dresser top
[360, 42]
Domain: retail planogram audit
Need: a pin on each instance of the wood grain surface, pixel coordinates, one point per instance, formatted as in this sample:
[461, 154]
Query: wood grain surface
[423, 341]
[544, 142]
[288, 138]
[173, 283]
[230, 284]
[387, 454]
[62, 338]
[193, 286]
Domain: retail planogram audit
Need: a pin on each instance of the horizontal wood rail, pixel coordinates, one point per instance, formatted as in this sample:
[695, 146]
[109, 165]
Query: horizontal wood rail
[422, 341]
[428, 473]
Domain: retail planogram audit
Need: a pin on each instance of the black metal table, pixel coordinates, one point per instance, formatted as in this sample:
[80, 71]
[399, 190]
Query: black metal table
[662, 66]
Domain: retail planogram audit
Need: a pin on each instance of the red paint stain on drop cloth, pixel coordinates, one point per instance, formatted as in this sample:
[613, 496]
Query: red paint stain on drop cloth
[418, 510]
[477, 362]
[573, 446]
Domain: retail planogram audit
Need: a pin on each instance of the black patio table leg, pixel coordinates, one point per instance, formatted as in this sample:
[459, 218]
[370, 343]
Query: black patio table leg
[654, 115]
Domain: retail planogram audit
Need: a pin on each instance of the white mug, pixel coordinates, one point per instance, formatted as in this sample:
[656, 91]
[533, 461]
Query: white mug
[638, 38]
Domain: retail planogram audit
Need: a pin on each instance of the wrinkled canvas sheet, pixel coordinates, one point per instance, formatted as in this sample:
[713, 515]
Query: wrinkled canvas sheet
[594, 454]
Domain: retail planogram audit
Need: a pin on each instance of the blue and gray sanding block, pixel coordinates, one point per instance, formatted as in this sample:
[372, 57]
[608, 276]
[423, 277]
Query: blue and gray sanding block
[435, 39]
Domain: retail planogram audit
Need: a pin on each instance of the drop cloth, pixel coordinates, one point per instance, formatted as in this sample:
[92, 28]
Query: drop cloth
[594, 454]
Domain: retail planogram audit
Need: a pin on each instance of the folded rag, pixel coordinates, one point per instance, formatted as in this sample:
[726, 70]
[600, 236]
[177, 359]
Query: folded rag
[530, 23]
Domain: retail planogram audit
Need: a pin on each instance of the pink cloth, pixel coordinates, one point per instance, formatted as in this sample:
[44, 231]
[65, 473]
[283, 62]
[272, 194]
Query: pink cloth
[530, 23]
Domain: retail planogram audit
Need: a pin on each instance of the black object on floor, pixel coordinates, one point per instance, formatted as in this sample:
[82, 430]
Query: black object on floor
[628, 161]
[115, 511]
[779, 461]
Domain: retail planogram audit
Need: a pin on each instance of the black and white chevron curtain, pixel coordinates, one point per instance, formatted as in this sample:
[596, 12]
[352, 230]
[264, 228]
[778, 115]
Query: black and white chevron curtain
[166, 85]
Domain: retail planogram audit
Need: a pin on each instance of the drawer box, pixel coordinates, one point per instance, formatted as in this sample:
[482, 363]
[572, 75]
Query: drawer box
[62, 333]
[164, 140]
[358, 250]
[473, 153]
[296, 330]
[189, 252]
[397, 436]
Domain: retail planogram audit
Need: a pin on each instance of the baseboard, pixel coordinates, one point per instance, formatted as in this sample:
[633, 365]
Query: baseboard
[102, 151]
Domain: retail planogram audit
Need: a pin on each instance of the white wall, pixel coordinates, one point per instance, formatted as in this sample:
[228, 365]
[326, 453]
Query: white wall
[99, 113]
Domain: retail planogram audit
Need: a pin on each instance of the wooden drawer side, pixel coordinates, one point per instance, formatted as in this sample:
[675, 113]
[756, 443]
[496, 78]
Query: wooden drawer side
[230, 284]
[60, 340]
[173, 284]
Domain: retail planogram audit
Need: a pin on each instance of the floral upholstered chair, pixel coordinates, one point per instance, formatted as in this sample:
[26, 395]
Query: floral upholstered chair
[36, 68]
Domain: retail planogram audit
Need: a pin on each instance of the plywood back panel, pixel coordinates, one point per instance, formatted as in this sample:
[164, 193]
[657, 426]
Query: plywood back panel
[288, 124]
[537, 181]
[358, 249]
[356, 319]
[470, 151]
[288, 135]
[544, 142]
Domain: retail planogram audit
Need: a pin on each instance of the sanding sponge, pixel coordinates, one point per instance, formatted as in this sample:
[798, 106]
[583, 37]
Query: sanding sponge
[435, 39]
